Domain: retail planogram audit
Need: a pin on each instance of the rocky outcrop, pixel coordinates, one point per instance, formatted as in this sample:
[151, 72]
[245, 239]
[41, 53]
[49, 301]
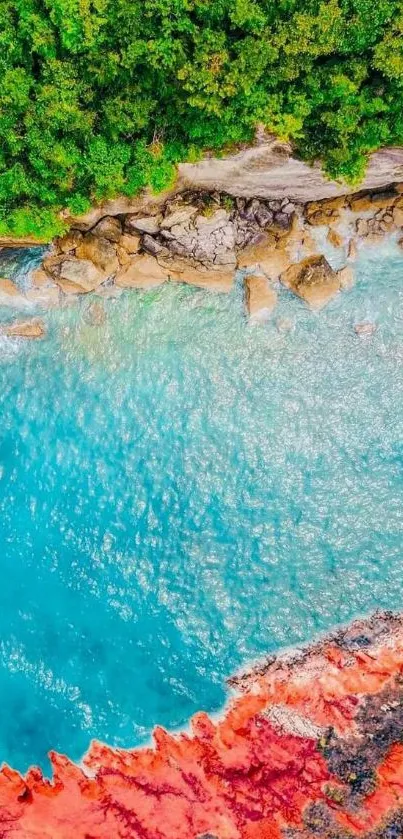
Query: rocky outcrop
[202, 240]
[271, 171]
[310, 746]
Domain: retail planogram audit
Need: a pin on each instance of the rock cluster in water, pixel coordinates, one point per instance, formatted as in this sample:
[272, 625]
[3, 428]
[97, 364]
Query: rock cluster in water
[203, 239]
[311, 747]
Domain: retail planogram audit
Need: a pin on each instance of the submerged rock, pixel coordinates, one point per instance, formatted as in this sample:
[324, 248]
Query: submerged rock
[25, 329]
[312, 279]
[365, 329]
[95, 314]
[46, 297]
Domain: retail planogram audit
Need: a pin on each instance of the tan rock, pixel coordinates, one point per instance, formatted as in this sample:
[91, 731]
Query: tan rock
[52, 262]
[108, 228]
[123, 256]
[323, 217]
[211, 280]
[275, 263]
[398, 216]
[10, 295]
[312, 279]
[179, 215]
[79, 276]
[256, 251]
[383, 200]
[99, 251]
[69, 242]
[328, 205]
[361, 203]
[147, 224]
[260, 298]
[8, 288]
[25, 329]
[40, 278]
[335, 238]
[346, 278]
[142, 272]
[352, 251]
[362, 227]
[130, 242]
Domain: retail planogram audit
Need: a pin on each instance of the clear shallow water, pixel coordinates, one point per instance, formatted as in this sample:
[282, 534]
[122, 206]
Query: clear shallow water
[180, 492]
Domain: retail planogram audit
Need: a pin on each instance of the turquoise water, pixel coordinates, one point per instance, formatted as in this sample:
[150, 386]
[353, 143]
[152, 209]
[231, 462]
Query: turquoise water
[181, 492]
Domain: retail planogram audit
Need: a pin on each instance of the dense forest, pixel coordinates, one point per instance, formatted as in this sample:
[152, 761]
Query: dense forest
[100, 97]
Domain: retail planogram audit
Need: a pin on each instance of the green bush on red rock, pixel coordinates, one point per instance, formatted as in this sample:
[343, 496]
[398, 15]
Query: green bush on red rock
[100, 97]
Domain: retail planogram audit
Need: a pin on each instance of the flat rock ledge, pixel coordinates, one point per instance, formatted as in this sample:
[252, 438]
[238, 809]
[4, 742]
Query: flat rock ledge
[309, 747]
[202, 239]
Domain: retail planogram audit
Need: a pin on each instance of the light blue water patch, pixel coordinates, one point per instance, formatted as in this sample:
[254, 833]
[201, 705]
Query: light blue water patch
[181, 492]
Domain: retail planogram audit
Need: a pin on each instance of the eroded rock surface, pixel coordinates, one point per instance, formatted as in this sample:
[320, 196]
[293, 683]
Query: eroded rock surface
[270, 171]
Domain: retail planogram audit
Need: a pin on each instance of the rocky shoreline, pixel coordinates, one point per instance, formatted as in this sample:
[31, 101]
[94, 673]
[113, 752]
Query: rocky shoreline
[310, 747]
[202, 239]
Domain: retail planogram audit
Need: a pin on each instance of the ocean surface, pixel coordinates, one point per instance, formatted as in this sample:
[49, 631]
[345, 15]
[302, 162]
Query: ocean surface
[181, 492]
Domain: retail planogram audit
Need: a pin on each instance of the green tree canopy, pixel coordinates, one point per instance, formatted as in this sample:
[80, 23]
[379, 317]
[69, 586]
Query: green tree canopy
[100, 97]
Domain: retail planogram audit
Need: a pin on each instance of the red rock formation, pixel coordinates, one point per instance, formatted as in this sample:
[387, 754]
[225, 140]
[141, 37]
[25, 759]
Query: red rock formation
[311, 747]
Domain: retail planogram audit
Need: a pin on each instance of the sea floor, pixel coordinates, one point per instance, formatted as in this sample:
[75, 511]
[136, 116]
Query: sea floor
[182, 493]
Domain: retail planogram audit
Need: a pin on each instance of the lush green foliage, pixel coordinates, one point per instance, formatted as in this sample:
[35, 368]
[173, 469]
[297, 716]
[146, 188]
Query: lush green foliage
[99, 97]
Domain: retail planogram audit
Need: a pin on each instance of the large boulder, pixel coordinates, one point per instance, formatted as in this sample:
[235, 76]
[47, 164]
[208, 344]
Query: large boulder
[108, 228]
[79, 276]
[260, 298]
[99, 251]
[40, 279]
[143, 272]
[46, 297]
[147, 224]
[313, 280]
[69, 242]
[130, 242]
[25, 329]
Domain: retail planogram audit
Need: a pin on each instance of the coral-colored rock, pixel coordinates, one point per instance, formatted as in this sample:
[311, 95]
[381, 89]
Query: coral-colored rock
[310, 747]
